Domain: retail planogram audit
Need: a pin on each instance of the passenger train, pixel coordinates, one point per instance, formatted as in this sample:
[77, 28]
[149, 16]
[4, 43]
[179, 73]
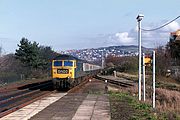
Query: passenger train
[69, 71]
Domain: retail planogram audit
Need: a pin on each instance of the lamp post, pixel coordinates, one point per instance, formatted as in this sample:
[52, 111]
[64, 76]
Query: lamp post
[154, 70]
[139, 18]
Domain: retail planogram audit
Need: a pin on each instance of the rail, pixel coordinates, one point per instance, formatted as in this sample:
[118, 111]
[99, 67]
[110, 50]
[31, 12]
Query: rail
[21, 98]
[116, 82]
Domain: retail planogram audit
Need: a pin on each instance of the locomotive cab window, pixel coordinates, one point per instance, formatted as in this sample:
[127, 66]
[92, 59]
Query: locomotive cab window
[68, 63]
[57, 63]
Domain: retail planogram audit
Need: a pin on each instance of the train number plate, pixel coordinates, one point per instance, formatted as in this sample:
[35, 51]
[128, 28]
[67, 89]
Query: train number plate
[62, 71]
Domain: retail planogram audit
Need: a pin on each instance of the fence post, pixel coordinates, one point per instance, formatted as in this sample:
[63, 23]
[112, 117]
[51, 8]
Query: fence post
[115, 74]
[144, 87]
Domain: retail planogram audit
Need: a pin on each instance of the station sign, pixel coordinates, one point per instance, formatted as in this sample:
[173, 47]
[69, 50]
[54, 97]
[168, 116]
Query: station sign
[148, 61]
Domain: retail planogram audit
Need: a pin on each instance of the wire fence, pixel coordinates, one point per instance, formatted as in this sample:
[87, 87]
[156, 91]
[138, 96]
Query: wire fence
[9, 78]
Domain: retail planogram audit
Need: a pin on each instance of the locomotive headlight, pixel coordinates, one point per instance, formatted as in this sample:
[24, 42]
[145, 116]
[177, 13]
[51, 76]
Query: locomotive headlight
[54, 71]
[70, 71]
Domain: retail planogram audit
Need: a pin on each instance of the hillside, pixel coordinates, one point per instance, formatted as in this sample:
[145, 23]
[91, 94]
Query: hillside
[95, 54]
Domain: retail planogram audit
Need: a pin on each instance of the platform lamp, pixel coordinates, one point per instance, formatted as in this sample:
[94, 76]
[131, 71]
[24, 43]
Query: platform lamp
[139, 18]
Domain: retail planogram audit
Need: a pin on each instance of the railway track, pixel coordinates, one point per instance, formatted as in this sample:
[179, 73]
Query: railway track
[76, 88]
[116, 82]
[27, 94]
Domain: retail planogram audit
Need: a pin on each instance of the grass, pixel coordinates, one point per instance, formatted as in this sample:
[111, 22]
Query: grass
[142, 111]
[167, 99]
[170, 86]
[133, 77]
[161, 81]
[96, 92]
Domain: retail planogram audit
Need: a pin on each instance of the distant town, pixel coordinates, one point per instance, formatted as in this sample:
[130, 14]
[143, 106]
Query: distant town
[95, 54]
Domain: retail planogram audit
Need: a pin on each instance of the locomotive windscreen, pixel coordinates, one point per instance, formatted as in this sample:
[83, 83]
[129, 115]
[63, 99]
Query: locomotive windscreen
[57, 63]
[68, 63]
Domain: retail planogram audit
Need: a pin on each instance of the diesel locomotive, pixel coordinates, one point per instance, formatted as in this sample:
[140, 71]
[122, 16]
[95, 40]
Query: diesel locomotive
[69, 71]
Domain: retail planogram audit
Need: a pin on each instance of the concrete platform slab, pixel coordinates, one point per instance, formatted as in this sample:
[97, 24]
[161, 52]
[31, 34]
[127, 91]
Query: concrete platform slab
[93, 110]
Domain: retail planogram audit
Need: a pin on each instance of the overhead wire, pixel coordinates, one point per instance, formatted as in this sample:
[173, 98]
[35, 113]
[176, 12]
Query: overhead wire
[161, 25]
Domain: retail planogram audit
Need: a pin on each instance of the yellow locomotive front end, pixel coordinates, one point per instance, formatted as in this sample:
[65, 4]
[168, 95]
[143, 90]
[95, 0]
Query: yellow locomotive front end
[63, 72]
[69, 71]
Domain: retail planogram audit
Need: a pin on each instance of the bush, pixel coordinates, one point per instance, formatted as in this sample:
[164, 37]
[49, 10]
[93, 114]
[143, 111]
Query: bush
[122, 64]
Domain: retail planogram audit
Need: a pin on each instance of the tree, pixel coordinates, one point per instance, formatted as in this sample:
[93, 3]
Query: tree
[28, 53]
[122, 64]
[47, 55]
[34, 57]
[163, 60]
[174, 49]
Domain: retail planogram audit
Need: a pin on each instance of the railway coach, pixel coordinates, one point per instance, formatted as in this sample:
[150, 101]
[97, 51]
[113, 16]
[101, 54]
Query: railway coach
[69, 71]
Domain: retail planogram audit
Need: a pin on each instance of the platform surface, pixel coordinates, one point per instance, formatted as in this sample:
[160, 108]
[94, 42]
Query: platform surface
[90, 103]
[30, 110]
[77, 107]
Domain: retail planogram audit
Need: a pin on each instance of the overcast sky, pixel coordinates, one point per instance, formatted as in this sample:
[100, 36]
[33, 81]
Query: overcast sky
[77, 24]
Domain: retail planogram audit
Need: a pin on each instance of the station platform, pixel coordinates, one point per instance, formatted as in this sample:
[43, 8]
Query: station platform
[94, 107]
[89, 104]
[32, 109]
